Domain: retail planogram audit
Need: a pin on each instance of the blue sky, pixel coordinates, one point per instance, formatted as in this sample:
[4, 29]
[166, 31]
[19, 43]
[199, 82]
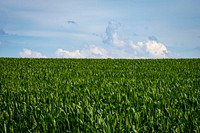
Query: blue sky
[100, 28]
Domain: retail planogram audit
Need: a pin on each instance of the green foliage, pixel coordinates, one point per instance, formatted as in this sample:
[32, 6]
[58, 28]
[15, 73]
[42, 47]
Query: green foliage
[99, 95]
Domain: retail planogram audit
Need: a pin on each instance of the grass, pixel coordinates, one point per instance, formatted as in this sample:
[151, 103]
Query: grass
[99, 95]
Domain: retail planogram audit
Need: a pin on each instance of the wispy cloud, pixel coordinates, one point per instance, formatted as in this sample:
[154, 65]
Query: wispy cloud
[112, 35]
[27, 53]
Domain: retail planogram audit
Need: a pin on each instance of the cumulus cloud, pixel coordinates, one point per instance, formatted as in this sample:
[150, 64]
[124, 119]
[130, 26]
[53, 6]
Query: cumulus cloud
[89, 52]
[112, 35]
[95, 52]
[116, 48]
[67, 54]
[27, 53]
[150, 48]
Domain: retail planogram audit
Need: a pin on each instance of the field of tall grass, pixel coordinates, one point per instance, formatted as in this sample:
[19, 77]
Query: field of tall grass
[99, 95]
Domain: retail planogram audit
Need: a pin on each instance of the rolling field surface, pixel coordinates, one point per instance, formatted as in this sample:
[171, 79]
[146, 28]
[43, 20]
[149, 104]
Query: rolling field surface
[99, 95]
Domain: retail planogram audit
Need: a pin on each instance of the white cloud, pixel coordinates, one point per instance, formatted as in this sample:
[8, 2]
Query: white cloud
[67, 54]
[116, 41]
[156, 49]
[112, 35]
[27, 53]
[150, 48]
[117, 47]
[95, 52]
[89, 52]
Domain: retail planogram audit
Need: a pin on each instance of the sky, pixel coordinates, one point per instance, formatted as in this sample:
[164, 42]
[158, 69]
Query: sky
[100, 28]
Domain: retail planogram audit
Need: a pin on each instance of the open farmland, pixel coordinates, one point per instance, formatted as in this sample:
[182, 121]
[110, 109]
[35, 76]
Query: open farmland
[99, 95]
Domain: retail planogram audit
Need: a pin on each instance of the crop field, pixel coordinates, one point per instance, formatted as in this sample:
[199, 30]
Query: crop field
[99, 95]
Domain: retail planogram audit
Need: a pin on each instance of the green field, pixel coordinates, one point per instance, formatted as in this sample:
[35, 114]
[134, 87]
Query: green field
[99, 95]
